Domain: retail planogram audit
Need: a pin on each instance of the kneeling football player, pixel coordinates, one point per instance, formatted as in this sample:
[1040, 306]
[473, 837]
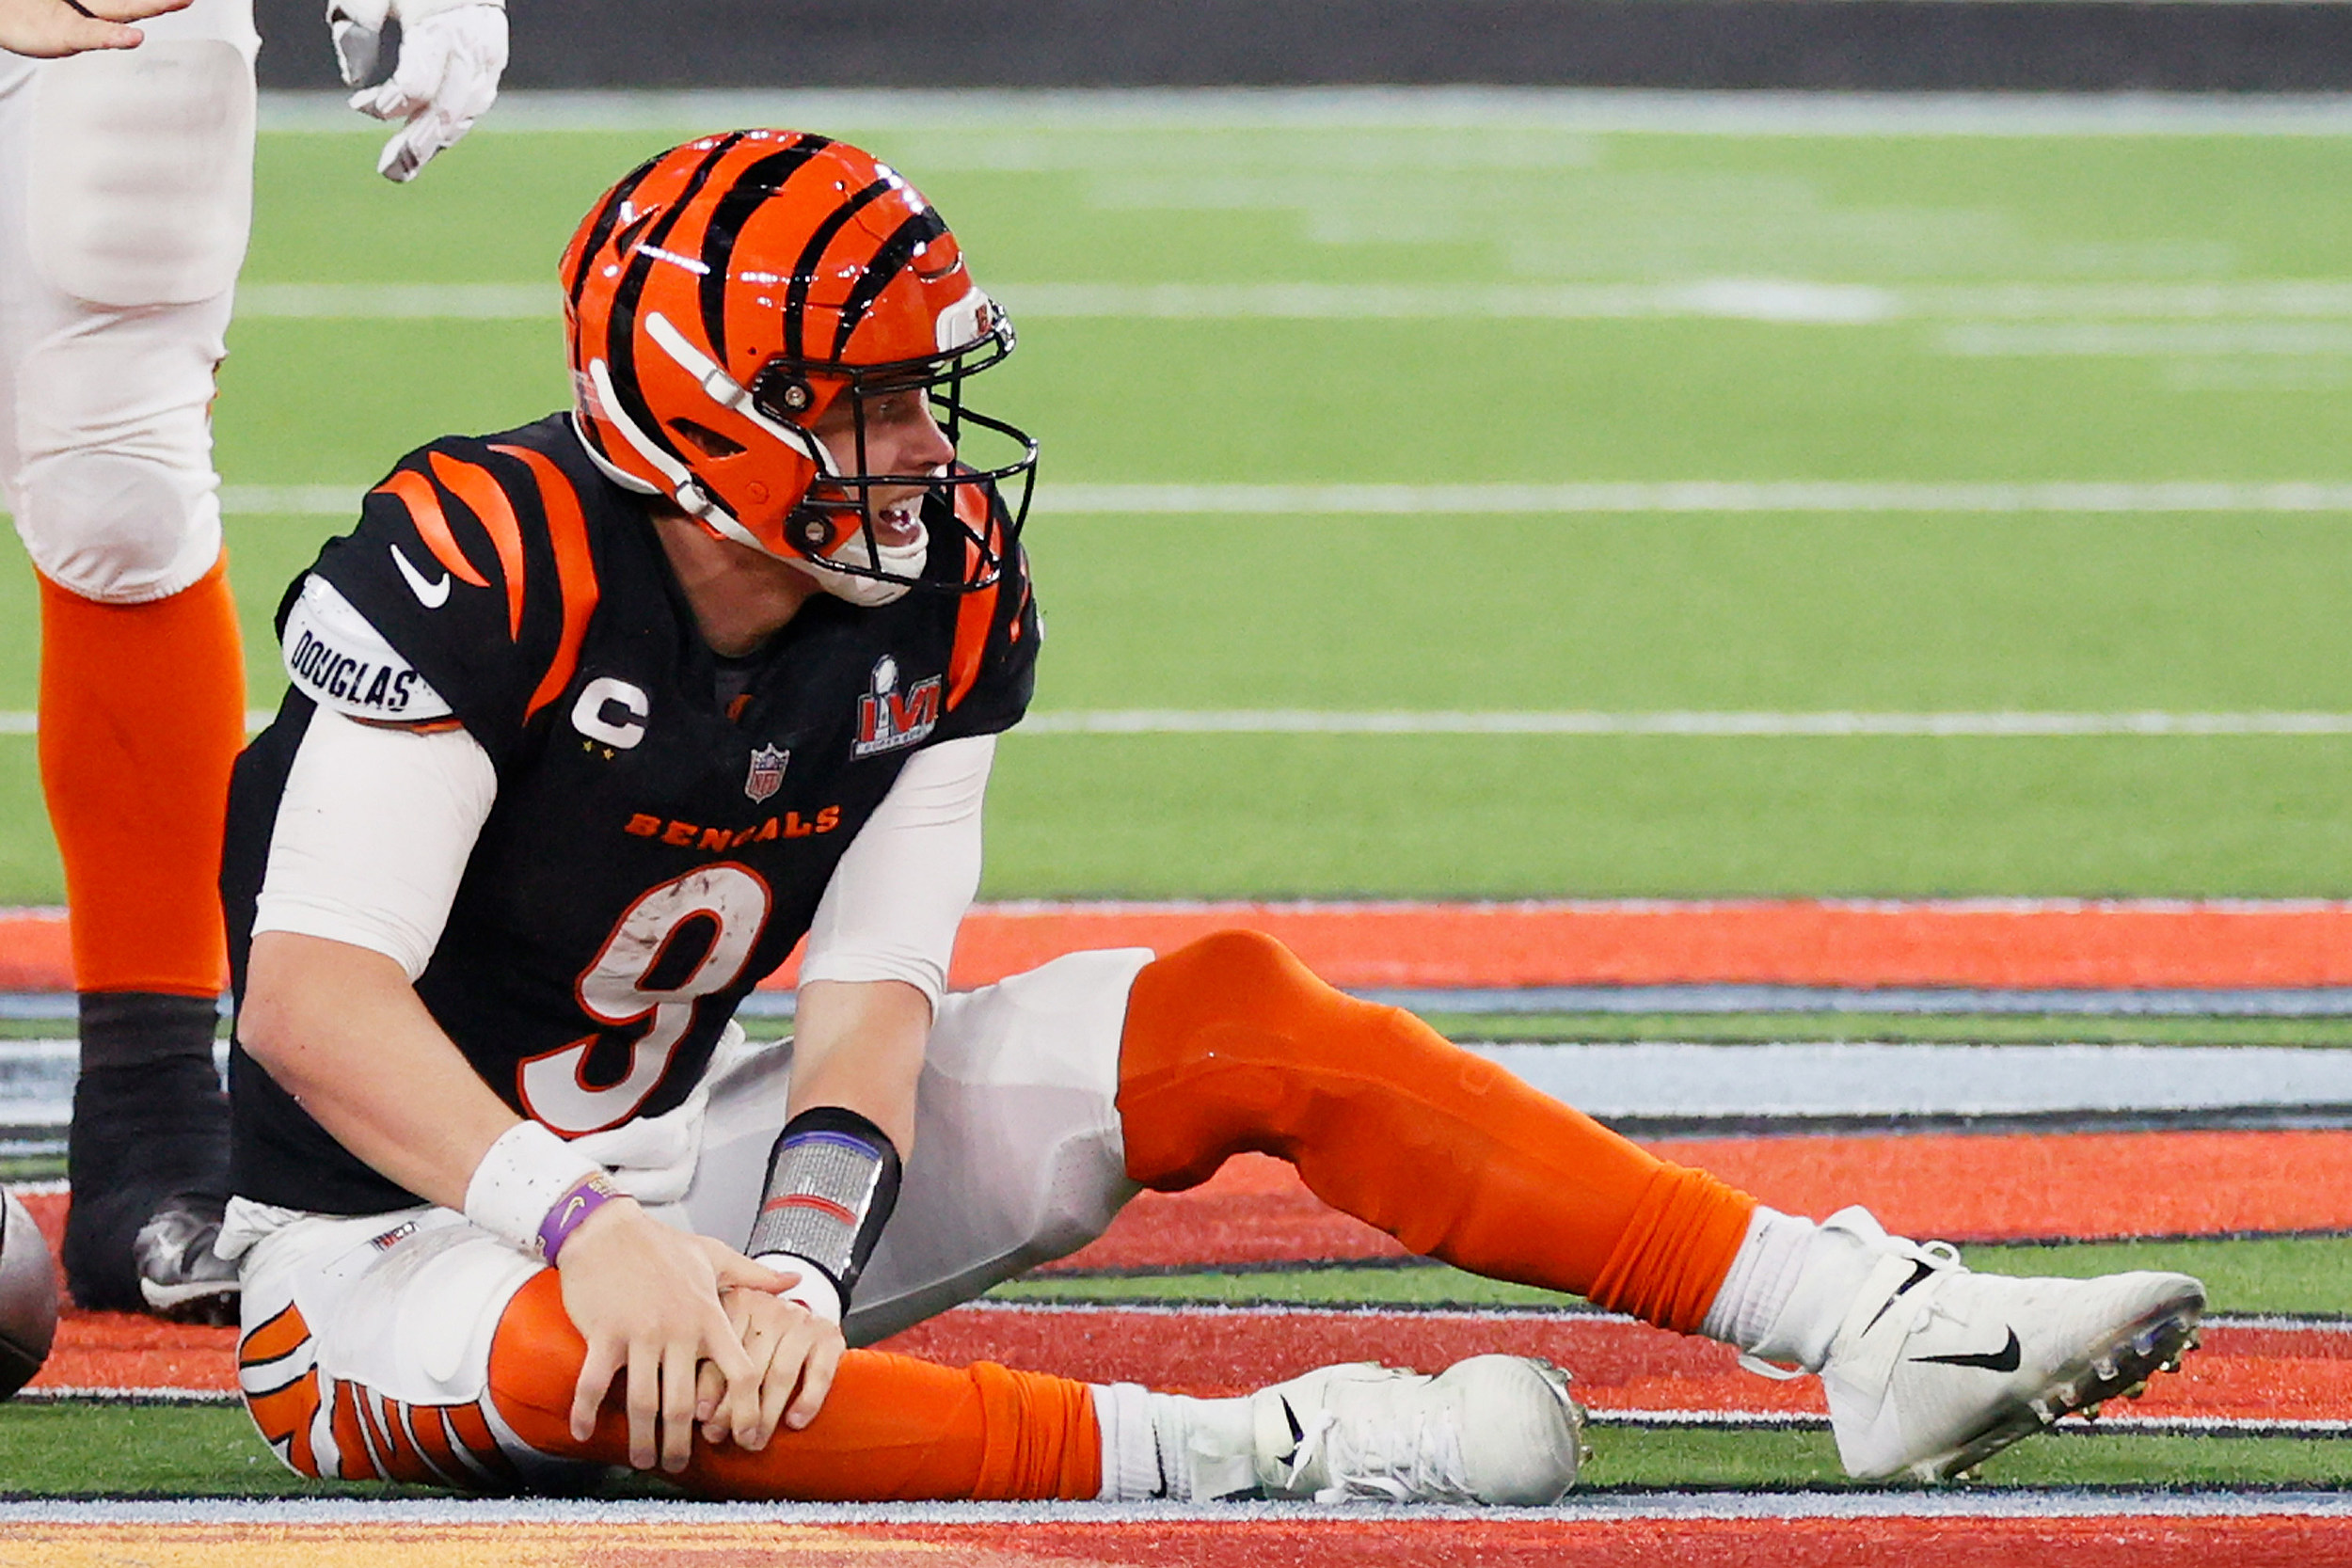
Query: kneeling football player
[595, 720]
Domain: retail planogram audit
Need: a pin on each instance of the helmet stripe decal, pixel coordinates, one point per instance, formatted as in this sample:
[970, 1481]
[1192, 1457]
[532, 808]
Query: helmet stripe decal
[600, 230]
[812, 256]
[620, 321]
[888, 262]
[753, 186]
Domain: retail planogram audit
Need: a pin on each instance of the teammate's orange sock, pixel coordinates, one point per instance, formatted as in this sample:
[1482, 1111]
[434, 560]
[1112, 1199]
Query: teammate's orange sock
[893, 1428]
[1231, 1044]
[142, 713]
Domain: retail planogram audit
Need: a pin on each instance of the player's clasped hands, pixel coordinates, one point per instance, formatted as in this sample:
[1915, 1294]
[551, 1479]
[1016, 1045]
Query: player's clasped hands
[796, 1354]
[648, 1299]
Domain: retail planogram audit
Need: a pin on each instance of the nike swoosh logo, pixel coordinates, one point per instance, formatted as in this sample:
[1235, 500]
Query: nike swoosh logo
[2002, 1360]
[1919, 1271]
[433, 595]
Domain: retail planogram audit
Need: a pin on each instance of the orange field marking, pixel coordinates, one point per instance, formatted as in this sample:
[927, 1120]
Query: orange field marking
[1787, 941]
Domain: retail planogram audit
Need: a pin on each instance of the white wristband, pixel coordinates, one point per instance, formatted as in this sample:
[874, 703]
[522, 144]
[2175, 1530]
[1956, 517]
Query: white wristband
[815, 1291]
[522, 1176]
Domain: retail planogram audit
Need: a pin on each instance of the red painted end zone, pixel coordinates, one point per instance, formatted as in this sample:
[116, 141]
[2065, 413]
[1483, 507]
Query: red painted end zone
[2289, 1373]
[1256, 1210]
[1967, 1188]
[2112, 1541]
[2293, 1374]
[2145, 1538]
[1760, 942]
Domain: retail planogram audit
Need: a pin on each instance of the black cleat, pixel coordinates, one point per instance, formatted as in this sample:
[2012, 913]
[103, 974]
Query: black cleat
[146, 1138]
[180, 1274]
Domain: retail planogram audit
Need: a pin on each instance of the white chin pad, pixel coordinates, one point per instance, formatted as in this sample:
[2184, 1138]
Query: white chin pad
[904, 561]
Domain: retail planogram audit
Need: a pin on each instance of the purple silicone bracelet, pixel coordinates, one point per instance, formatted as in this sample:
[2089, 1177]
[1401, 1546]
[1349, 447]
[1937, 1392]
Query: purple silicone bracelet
[571, 1212]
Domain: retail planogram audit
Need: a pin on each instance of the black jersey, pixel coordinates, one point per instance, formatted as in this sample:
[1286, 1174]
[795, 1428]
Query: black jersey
[663, 828]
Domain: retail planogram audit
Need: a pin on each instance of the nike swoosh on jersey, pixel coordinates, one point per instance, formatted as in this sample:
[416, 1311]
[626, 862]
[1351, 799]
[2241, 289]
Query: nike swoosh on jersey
[2002, 1360]
[433, 595]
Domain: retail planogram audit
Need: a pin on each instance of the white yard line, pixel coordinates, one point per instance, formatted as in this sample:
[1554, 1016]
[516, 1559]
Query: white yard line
[1636, 499]
[2203, 318]
[1744, 1086]
[1976, 1502]
[1701, 496]
[1506, 109]
[1696, 725]
[1574, 722]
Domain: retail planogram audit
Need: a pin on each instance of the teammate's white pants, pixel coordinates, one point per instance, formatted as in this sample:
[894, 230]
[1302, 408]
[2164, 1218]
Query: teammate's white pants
[1018, 1159]
[126, 191]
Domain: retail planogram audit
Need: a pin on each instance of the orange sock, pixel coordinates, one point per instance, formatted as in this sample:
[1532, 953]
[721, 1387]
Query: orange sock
[893, 1428]
[142, 713]
[1232, 1045]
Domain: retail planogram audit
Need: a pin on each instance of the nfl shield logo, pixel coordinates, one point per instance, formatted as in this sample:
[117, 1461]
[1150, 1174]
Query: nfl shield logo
[767, 775]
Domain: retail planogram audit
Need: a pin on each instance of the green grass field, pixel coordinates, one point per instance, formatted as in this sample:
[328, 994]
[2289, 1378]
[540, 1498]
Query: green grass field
[1778, 613]
[2018, 308]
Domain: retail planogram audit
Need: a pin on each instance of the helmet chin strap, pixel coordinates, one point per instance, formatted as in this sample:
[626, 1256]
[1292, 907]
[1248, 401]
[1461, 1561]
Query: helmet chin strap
[844, 582]
[686, 491]
[904, 561]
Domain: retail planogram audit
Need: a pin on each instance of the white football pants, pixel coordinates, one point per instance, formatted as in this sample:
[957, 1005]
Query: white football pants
[126, 192]
[1018, 1160]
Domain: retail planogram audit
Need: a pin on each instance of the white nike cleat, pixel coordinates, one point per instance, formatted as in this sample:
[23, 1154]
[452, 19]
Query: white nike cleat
[1499, 1430]
[1935, 1367]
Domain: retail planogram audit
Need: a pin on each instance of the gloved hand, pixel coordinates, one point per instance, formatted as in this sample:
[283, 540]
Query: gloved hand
[451, 53]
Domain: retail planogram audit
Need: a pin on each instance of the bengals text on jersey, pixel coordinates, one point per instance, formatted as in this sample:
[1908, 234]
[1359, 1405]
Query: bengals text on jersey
[666, 820]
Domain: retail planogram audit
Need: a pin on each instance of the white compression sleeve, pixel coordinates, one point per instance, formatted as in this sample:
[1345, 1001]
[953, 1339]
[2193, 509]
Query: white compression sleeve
[894, 901]
[373, 835]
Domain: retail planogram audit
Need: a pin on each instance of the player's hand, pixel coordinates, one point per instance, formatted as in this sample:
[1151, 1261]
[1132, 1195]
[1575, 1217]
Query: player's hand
[646, 1298]
[797, 1354]
[52, 29]
[451, 53]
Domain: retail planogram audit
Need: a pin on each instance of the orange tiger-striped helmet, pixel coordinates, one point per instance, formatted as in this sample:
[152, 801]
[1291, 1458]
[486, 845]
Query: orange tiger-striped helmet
[725, 296]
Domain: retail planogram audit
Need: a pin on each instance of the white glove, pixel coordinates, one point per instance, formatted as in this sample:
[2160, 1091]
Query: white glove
[451, 53]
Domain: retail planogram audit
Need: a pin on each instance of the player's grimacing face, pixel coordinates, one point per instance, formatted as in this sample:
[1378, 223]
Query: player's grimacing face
[900, 438]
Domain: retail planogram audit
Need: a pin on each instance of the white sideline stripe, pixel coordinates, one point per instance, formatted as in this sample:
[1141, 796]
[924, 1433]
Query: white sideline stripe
[1488, 499]
[2186, 318]
[1512, 110]
[67, 1394]
[1738, 1082]
[399, 301]
[1698, 726]
[1250, 908]
[1699, 496]
[1975, 1502]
